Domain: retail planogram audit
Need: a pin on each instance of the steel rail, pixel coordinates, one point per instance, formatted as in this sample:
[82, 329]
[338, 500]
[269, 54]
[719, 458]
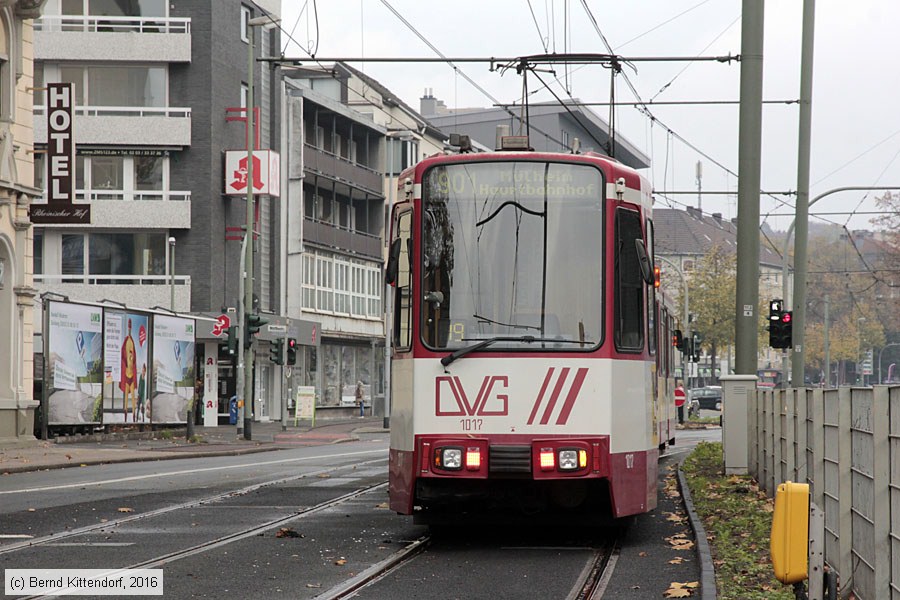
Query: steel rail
[56, 537]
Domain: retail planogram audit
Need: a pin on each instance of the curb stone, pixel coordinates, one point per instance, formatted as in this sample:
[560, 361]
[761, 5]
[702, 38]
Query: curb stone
[707, 569]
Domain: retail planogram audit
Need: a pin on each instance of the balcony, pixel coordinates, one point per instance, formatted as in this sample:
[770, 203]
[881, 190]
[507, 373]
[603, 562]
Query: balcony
[329, 236]
[123, 39]
[336, 167]
[116, 209]
[129, 125]
[135, 291]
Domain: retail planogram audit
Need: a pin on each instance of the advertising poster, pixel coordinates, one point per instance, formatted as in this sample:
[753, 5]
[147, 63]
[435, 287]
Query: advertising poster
[173, 369]
[126, 368]
[74, 361]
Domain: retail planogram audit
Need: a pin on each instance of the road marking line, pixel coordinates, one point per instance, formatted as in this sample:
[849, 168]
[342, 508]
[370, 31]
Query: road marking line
[15, 536]
[185, 472]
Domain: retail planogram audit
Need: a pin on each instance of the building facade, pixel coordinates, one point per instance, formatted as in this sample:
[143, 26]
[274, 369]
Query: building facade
[161, 96]
[349, 138]
[17, 191]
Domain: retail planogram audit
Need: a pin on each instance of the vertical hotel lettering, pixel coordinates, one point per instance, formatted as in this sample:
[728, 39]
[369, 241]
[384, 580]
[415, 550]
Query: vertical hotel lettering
[60, 206]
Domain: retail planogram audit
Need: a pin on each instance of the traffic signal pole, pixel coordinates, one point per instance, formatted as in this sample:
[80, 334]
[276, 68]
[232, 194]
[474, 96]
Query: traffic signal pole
[248, 237]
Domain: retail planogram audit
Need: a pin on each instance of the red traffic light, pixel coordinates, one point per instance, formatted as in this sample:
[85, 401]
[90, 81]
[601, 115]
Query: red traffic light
[786, 317]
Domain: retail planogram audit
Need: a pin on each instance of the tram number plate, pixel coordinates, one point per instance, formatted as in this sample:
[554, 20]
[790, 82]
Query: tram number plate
[471, 424]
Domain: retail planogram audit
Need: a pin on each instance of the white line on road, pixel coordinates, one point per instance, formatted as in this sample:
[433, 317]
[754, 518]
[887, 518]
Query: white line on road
[15, 536]
[184, 472]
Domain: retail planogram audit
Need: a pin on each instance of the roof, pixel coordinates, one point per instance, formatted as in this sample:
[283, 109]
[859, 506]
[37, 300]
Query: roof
[692, 233]
[390, 97]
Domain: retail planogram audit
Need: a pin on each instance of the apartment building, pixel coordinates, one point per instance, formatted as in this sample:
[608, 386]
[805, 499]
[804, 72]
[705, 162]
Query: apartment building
[161, 92]
[16, 194]
[356, 138]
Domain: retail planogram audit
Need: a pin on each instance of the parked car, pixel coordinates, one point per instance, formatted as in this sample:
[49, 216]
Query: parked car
[709, 398]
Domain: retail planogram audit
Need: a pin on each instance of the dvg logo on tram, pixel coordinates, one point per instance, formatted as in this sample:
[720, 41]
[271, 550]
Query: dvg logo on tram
[557, 397]
[451, 399]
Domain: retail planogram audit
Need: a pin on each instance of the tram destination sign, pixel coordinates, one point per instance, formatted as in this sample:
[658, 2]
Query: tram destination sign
[59, 205]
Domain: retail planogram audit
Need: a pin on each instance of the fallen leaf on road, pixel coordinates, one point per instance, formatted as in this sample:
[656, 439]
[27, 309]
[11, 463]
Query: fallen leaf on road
[313, 585]
[287, 532]
[382, 505]
[323, 475]
[125, 509]
[680, 590]
[676, 561]
[341, 562]
[32, 509]
[69, 456]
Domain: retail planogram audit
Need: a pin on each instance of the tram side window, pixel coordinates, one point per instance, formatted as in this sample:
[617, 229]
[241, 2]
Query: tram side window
[403, 294]
[629, 313]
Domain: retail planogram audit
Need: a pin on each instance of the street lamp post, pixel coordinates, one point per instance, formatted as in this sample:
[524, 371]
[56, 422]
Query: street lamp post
[172, 273]
[248, 232]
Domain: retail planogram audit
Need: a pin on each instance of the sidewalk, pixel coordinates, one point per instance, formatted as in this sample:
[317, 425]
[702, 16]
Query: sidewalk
[109, 448]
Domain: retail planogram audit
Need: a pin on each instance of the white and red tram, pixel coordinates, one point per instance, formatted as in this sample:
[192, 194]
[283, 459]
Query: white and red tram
[530, 356]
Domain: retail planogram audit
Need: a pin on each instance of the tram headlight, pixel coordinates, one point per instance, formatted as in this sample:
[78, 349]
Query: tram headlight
[568, 460]
[449, 458]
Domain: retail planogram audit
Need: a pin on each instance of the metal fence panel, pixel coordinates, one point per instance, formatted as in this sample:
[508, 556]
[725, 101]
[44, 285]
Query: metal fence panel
[862, 506]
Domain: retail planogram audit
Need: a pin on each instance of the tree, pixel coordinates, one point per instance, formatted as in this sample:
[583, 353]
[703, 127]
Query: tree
[712, 287]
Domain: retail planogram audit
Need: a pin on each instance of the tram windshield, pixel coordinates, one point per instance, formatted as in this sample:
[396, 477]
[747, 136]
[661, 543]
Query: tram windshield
[514, 251]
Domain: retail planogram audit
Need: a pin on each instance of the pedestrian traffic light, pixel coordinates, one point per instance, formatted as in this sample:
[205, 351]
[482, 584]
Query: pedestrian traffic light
[232, 334]
[678, 339]
[291, 358]
[695, 347]
[276, 351]
[254, 323]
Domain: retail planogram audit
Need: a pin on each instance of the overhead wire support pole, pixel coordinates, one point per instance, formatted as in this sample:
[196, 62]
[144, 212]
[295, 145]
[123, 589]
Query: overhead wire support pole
[802, 203]
[749, 147]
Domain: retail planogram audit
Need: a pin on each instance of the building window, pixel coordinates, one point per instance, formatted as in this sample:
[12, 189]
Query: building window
[687, 265]
[114, 8]
[402, 154]
[72, 254]
[341, 287]
[107, 173]
[245, 24]
[309, 282]
[148, 173]
[38, 252]
[324, 289]
[126, 254]
[245, 95]
[127, 86]
[375, 287]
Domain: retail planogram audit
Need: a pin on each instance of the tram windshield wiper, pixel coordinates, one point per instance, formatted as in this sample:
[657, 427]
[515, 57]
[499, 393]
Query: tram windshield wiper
[460, 352]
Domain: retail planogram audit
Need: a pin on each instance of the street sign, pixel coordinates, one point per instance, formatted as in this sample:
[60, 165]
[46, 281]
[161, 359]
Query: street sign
[223, 322]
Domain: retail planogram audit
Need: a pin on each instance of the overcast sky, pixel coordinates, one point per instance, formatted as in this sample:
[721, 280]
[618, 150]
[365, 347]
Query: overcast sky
[856, 128]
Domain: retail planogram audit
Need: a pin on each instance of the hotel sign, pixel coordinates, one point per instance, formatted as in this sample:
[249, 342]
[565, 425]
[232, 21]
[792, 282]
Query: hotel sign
[60, 206]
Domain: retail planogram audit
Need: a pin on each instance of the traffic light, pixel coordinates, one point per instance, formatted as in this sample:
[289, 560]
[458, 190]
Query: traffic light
[276, 351]
[656, 276]
[291, 358]
[232, 334]
[780, 325]
[678, 339]
[254, 323]
[695, 347]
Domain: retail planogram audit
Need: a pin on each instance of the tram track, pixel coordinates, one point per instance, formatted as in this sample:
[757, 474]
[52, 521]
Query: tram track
[242, 491]
[160, 561]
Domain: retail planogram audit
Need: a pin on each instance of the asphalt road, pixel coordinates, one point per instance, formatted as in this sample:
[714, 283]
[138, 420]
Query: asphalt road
[212, 525]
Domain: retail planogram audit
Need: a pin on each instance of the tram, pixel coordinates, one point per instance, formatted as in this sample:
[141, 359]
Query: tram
[530, 359]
